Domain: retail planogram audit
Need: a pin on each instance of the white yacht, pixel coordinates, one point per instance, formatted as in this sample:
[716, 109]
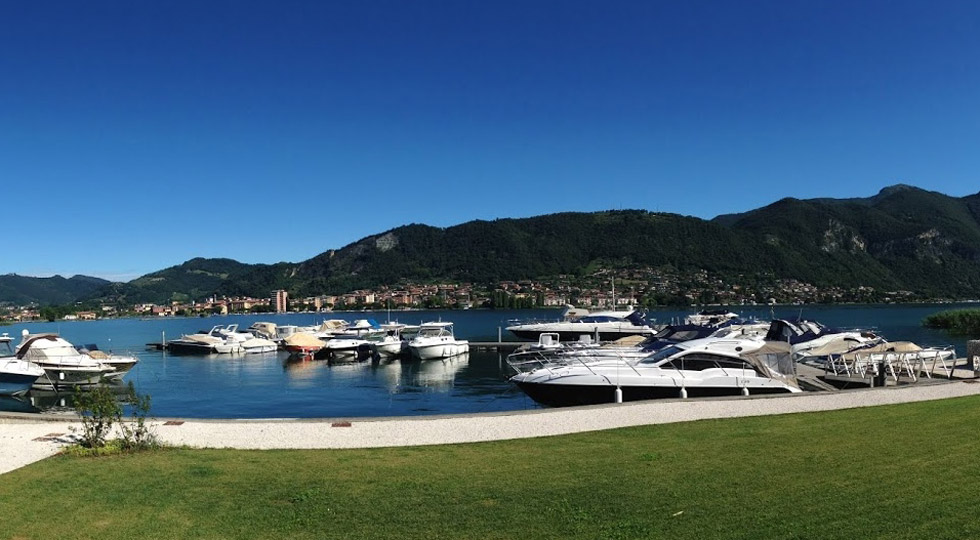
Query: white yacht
[697, 368]
[437, 340]
[391, 343]
[211, 342]
[249, 342]
[601, 325]
[346, 345]
[64, 367]
[16, 376]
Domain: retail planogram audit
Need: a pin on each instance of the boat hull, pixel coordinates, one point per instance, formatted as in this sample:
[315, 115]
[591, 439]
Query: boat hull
[119, 367]
[15, 384]
[261, 349]
[393, 348]
[565, 395]
[68, 377]
[440, 350]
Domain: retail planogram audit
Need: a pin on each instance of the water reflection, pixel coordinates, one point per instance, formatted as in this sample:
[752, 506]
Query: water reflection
[56, 401]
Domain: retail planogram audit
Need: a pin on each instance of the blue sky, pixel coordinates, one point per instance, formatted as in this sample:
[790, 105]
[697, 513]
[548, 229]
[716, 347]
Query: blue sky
[137, 135]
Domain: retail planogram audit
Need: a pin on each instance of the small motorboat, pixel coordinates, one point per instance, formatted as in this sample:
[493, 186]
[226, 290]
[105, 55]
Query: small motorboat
[437, 340]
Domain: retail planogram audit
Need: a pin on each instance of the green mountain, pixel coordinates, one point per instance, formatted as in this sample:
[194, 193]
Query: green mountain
[200, 278]
[21, 290]
[903, 238]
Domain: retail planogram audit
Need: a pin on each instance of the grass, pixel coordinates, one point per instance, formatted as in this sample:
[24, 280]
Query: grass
[905, 471]
[964, 322]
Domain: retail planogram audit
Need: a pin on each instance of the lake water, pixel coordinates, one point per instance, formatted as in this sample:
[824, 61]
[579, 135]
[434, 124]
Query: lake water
[273, 386]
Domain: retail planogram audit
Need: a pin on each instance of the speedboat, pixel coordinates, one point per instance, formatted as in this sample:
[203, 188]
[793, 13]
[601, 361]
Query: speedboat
[264, 330]
[437, 340]
[63, 365]
[697, 368]
[211, 342]
[248, 341]
[604, 326]
[391, 343]
[345, 345]
[16, 376]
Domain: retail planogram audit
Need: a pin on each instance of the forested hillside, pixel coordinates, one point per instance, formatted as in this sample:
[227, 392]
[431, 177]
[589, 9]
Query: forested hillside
[903, 238]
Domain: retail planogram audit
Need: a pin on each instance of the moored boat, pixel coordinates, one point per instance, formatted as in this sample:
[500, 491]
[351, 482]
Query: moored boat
[602, 326]
[437, 340]
[697, 368]
[210, 342]
[63, 365]
[16, 376]
[302, 343]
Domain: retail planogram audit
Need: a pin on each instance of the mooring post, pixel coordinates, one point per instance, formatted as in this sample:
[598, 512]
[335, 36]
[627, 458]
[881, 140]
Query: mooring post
[500, 335]
[973, 355]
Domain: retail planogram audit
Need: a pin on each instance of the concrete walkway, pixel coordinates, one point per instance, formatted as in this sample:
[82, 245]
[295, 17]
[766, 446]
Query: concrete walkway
[25, 439]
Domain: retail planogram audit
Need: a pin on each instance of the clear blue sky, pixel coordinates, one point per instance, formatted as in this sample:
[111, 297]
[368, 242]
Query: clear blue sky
[137, 135]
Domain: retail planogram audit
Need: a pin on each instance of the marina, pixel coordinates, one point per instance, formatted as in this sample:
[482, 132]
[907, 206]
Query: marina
[278, 385]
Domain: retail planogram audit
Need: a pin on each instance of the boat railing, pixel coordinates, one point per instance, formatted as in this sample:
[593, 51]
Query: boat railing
[530, 360]
[911, 364]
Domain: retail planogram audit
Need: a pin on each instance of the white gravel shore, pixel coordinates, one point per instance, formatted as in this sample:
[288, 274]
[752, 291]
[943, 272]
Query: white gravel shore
[25, 439]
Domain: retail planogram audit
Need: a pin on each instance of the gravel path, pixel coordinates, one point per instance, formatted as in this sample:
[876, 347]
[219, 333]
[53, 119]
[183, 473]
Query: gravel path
[25, 439]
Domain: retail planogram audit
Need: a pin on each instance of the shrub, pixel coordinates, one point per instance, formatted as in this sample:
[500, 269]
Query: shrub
[99, 410]
[960, 321]
[136, 433]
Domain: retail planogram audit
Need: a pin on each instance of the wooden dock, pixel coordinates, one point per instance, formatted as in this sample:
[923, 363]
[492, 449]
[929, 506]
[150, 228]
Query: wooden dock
[502, 346]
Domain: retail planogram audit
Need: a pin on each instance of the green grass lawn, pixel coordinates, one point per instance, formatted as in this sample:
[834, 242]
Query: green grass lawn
[906, 471]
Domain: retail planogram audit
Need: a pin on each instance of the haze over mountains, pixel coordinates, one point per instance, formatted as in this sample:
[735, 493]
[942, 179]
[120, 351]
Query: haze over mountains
[903, 238]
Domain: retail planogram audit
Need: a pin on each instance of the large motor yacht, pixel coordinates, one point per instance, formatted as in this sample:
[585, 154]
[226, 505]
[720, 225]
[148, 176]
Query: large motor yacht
[249, 342]
[211, 342]
[63, 365]
[601, 325]
[697, 368]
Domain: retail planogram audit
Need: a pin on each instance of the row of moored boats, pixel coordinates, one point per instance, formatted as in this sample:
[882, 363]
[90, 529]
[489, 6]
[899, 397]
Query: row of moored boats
[709, 354]
[333, 339]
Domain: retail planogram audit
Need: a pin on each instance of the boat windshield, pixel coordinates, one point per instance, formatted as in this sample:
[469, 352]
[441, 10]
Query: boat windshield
[434, 331]
[661, 355]
[599, 319]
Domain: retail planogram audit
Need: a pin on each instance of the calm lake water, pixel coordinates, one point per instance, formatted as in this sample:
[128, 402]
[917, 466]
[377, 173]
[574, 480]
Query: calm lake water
[273, 386]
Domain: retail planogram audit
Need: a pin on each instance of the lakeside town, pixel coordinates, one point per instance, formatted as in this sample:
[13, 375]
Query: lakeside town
[602, 288]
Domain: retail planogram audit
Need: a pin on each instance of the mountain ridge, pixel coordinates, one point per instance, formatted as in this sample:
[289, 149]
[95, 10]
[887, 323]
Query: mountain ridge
[903, 237]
